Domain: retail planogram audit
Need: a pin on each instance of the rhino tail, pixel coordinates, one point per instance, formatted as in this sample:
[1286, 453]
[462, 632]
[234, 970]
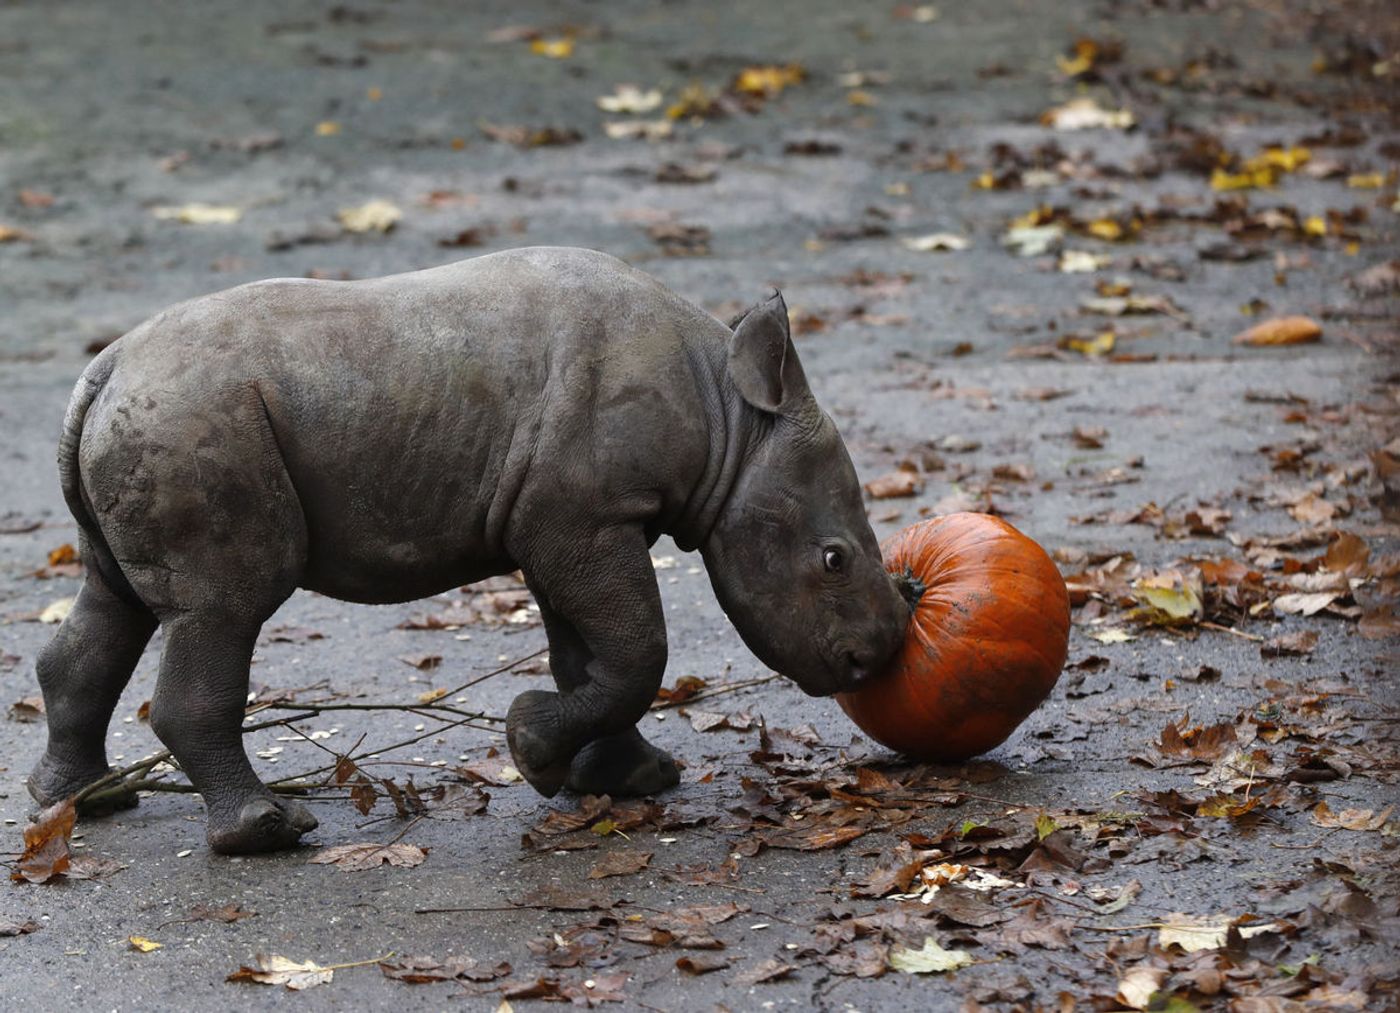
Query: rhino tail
[89, 386]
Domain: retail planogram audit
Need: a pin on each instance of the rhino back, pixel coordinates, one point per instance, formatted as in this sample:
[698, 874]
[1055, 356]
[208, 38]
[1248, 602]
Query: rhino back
[423, 417]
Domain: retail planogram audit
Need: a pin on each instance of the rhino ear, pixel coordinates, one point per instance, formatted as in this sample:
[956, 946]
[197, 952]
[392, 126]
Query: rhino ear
[762, 362]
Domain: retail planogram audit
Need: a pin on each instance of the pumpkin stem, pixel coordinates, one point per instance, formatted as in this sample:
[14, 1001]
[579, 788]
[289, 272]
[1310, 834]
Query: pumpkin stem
[911, 588]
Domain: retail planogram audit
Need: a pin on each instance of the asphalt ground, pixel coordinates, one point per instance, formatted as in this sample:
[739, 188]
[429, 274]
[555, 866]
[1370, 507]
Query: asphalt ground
[960, 364]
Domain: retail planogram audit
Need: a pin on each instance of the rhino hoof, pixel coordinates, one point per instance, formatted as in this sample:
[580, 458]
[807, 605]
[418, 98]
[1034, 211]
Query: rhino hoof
[622, 765]
[533, 736]
[51, 782]
[264, 823]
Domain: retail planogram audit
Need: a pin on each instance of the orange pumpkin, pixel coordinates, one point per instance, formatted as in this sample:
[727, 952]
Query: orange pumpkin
[986, 643]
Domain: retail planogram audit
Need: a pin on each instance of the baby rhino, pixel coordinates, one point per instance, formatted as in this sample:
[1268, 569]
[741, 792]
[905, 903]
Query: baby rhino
[548, 410]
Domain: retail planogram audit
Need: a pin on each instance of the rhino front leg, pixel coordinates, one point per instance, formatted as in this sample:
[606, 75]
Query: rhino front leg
[624, 764]
[607, 639]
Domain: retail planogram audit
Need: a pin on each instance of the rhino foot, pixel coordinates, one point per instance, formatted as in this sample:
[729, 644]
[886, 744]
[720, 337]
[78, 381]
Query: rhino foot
[52, 781]
[532, 732]
[264, 823]
[622, 765]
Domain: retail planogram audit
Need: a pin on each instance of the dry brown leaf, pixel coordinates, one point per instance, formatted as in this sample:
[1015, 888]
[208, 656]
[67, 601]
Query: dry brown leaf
[357, 857]
[897, 483]
[620, 863]
[46, 852]
[1350, 819]
[1281, 331]
[272, 969]
[1289, 645]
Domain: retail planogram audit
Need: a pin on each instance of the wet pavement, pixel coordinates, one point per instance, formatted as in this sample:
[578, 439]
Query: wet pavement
[1106, 412]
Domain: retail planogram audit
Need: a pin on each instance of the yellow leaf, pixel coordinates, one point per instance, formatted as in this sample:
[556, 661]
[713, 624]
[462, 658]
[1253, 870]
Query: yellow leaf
[374, 94]
[199, 214]
[142, 944]
[1096, 347]
[859, 97]
[1282, 159]
[1281, 331]
[768, 81]
[1252, 179]
[432, 696]
[375, 216]
[1315, 225]
[10, 234]
[1086, 51]
[1366, 180]
[1169, 598]
[1116, 635]
[1105, 228]
[327, 128]
[555, 49]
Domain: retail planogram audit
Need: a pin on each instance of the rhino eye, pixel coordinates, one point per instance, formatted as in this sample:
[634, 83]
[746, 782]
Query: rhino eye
[833, 560]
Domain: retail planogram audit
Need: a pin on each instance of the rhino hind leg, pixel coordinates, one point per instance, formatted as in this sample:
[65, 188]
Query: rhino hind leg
[211, 537]
[82, 672]
[197, 711]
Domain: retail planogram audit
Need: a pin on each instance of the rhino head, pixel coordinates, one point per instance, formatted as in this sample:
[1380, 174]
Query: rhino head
[791, 555]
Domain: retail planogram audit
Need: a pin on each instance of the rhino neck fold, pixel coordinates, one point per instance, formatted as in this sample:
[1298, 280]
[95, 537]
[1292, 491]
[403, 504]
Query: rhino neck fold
[728, 446]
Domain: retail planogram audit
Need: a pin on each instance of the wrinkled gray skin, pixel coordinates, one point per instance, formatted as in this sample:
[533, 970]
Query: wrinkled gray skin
[551, 410]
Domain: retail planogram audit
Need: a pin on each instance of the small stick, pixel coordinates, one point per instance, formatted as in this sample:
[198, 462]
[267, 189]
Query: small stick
[1230, 630]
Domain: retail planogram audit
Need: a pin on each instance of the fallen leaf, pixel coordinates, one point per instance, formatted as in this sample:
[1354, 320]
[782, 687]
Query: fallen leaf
[1033, 240]
[931, 959]
[228, 914]
[46, 852]
[1086, 114]
[628, 98]
[554, 49]
[1136, 988]
[1289, 645]
[1377, 280]
[1094, 348]
[272, 969]
[702, 963]
[620, 863]
[1281, 331]
[897, 483]
[1379, 623]
[770, 970]
[1115, 635]
[1192, 934]
[199, 214]
[358, 857]
[10, 234]
[935, 242]
[27, 709]
[1350, 819]
[375, 216]
[768, 81]
[143, 945]
[57, 611]
[13, 928]
[1304, 604]
[1082, 262]
[638, 130]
